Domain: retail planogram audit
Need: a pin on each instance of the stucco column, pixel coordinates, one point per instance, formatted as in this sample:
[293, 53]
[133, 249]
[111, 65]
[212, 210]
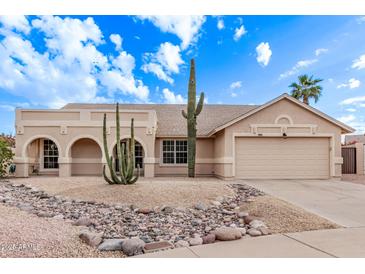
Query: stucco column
[149, 167]
[359, 158]
[22, 166]
[64, 166]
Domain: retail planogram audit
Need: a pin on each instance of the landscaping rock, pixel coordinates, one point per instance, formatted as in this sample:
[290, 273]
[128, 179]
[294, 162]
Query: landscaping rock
[201, 206]
[256, 224]
[254, 232]
[227, 233]
[196, 241]
[91, 238]
[216, 203]
[44, 214]
[248, 219]
[83, 222]
[209, 239]
[242, 214]
[243, 231]
[167, 209]
[264, 230]
[111, 245]
[181, 243]
[133, 246]
[145, 210]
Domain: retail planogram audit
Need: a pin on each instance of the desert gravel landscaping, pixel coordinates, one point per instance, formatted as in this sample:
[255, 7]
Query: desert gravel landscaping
[26, 235]
[145, 193]
[283, 217]
[133, 219]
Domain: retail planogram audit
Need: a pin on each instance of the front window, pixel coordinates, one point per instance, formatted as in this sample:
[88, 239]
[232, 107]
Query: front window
[50, 156]
[174, 151]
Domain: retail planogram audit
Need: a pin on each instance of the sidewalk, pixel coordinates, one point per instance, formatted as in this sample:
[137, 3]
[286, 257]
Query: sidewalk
[343, 242]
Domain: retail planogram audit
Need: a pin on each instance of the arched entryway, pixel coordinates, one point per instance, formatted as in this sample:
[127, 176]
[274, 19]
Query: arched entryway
[138, 156]
[86, 158]
[42, 154]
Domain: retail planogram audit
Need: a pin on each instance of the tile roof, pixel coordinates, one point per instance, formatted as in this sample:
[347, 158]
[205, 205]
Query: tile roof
[355, 138]
[170, 122]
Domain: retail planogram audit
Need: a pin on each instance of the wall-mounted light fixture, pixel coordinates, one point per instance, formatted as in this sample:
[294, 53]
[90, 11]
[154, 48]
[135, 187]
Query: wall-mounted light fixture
[284, 135]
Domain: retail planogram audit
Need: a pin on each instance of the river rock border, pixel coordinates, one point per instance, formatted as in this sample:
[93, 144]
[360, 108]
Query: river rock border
[129, 228]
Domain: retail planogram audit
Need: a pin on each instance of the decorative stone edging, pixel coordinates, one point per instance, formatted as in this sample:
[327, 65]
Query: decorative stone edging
[129, 228]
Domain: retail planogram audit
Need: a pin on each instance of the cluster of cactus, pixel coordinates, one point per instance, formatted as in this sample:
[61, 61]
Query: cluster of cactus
[193, 111]
[125, 156]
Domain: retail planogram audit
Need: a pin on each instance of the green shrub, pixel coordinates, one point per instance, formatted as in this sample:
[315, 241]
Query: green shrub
[6, 157]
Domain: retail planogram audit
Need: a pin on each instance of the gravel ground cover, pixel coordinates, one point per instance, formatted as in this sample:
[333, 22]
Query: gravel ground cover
[283, 217]
[234, 210]
[145, 193]
[26, 235]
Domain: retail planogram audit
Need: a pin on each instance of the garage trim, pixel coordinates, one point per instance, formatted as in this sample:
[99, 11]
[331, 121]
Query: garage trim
[318, 135]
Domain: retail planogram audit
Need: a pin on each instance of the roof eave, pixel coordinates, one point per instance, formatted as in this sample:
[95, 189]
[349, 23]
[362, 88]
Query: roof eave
[345, 128]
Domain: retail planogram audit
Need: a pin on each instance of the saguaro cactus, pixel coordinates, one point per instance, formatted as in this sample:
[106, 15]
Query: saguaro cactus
[125, 156]
[193, 112]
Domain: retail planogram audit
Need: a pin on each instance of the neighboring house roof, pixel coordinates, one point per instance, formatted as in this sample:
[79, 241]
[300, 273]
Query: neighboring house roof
[213, 118]
[345, 128]
[170, 122]
[354, 139]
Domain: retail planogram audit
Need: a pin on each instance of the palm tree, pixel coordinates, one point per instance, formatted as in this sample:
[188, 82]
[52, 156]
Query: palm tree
[306, 88]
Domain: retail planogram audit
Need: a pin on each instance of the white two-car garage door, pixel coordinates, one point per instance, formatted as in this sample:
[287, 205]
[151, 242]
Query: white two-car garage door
[279, 158]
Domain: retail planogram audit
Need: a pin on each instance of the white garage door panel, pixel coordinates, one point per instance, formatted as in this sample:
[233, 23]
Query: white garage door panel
[279, 158]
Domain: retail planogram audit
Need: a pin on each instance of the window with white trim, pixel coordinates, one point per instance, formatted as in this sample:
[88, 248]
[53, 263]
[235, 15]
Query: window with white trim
[50, 154]
[174, 151]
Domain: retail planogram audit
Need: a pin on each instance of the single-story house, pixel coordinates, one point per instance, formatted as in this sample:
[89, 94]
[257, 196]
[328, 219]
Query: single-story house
[282, 139]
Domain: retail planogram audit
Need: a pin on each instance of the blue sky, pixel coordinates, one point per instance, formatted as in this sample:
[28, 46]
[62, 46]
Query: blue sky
[46, 62]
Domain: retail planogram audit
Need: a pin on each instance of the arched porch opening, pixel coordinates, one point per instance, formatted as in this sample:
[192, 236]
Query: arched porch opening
[43, 155]
[86, 158]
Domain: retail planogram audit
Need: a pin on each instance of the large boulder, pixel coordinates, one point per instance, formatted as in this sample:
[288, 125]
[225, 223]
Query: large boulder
[91, 238]
[209, 239]
[181, 243]
[256, 224]
[133, 246]
[196, 241]
[227, 233]
[111, 245]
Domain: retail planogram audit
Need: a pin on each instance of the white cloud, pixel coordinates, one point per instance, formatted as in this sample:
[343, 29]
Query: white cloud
[117, 41]
[347, 118]
[359, 63]
[70, 68]
[236, 85]
[186, 27]
[239, 32]
[297, 67]
[353, 100]
[172, 98]
[18, 22]
[320, 51]
[165, 62]
[360, 19]
[351, 109]
[263, 53]
[220, 24]
[352, 83]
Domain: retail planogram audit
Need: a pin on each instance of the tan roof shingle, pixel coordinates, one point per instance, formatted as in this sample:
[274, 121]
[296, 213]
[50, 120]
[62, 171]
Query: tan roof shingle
[170, 121]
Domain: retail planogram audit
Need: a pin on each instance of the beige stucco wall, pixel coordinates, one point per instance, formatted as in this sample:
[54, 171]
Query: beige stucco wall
[204, 160]
[304, 119]
[215, 155]
[67, 127]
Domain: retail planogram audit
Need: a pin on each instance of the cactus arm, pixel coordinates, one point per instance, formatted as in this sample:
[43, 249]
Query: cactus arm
[132, 148]
[106, 177]
[184, 114]
[199, 107]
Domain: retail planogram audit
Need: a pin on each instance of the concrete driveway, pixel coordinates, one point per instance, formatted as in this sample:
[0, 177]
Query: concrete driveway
[338, 201]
